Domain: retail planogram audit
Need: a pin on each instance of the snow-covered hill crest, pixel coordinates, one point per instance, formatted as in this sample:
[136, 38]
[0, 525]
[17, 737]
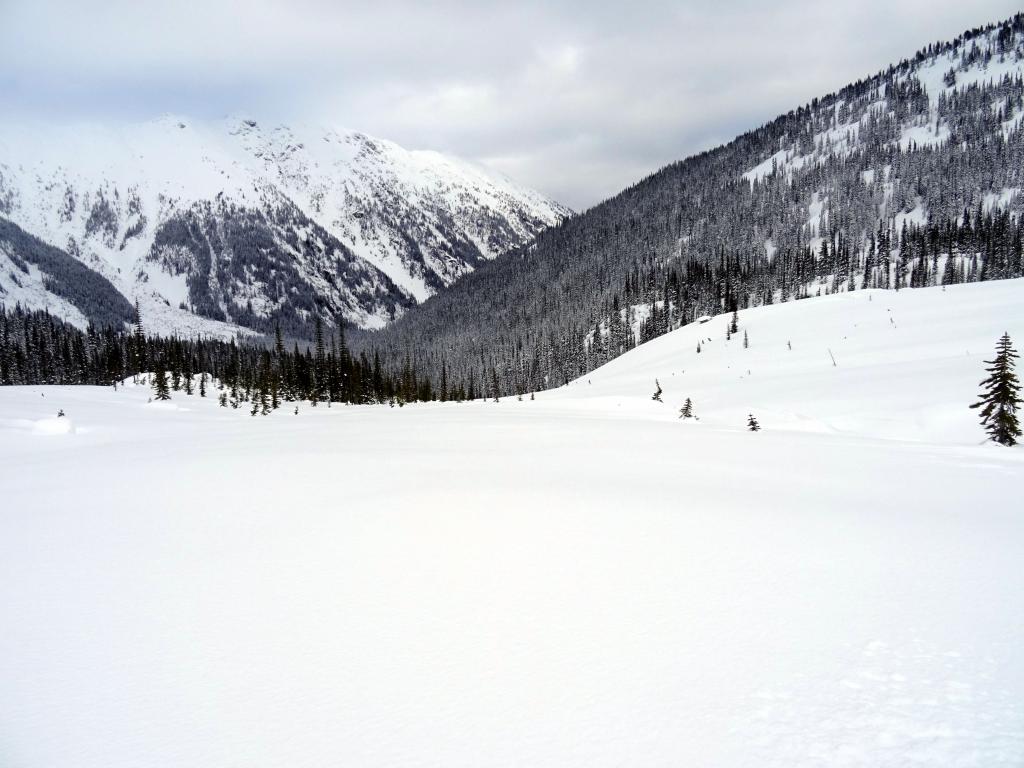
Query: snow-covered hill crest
[212, 226]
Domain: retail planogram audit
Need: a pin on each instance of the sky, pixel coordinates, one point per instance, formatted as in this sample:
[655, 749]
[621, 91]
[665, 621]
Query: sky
[576, 99]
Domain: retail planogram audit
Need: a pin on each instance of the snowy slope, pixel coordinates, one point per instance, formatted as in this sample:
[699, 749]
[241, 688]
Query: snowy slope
[835, 130]
[170, 210]
[583, 580]
[906, 362]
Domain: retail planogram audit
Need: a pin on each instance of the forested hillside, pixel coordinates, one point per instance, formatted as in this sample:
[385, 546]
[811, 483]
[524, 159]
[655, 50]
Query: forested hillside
[908, 178]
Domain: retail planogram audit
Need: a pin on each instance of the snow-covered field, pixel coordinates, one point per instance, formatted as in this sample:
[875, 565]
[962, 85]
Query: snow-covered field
[583, 580]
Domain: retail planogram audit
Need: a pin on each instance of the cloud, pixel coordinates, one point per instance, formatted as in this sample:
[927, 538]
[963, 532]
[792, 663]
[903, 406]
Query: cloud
[578, 99]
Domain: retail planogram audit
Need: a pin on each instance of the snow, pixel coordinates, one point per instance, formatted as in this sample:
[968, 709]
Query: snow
[1013, 124]
[28, 290]
[932, 72]
[583, 580]
[917, 216]
[929, 135]
[785, 161]
[1001, 200]
[53, 425]
[815, 223]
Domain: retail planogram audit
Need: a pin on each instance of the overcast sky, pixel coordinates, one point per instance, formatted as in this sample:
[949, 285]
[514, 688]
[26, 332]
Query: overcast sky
[577, 99]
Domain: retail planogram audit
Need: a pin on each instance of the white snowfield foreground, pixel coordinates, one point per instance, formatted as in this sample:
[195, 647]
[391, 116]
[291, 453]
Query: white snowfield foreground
[583, 580]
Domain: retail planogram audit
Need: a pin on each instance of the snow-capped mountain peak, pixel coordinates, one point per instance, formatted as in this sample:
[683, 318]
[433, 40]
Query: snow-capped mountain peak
[236, 222]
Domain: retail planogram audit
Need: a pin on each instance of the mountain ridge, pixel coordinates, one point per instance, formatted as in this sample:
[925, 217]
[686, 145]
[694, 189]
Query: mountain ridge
[231, 224]
[864, 187]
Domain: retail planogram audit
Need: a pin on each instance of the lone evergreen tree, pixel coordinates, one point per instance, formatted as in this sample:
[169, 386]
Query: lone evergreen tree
[160, 388]
[1001, 396]
[686, 412]
[735, 326]
[657, 391]
[746, 341]
[752, 424]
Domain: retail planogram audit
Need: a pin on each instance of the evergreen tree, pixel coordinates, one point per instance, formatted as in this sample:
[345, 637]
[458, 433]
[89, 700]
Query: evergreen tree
[752, 424]
[1001, 396]
[686, 412]
[160, 388]
[657, 391]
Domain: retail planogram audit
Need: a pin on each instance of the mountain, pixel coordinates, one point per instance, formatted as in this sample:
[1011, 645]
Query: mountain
[908, 178]
[234, 224]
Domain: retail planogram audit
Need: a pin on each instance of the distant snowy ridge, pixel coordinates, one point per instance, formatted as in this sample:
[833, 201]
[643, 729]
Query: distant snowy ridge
[233, 224]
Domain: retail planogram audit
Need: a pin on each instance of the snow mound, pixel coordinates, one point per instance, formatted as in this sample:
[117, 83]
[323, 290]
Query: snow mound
[53, 425]
[166, 405]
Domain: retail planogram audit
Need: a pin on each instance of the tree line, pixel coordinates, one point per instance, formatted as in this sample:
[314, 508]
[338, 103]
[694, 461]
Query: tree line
[38, 348]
